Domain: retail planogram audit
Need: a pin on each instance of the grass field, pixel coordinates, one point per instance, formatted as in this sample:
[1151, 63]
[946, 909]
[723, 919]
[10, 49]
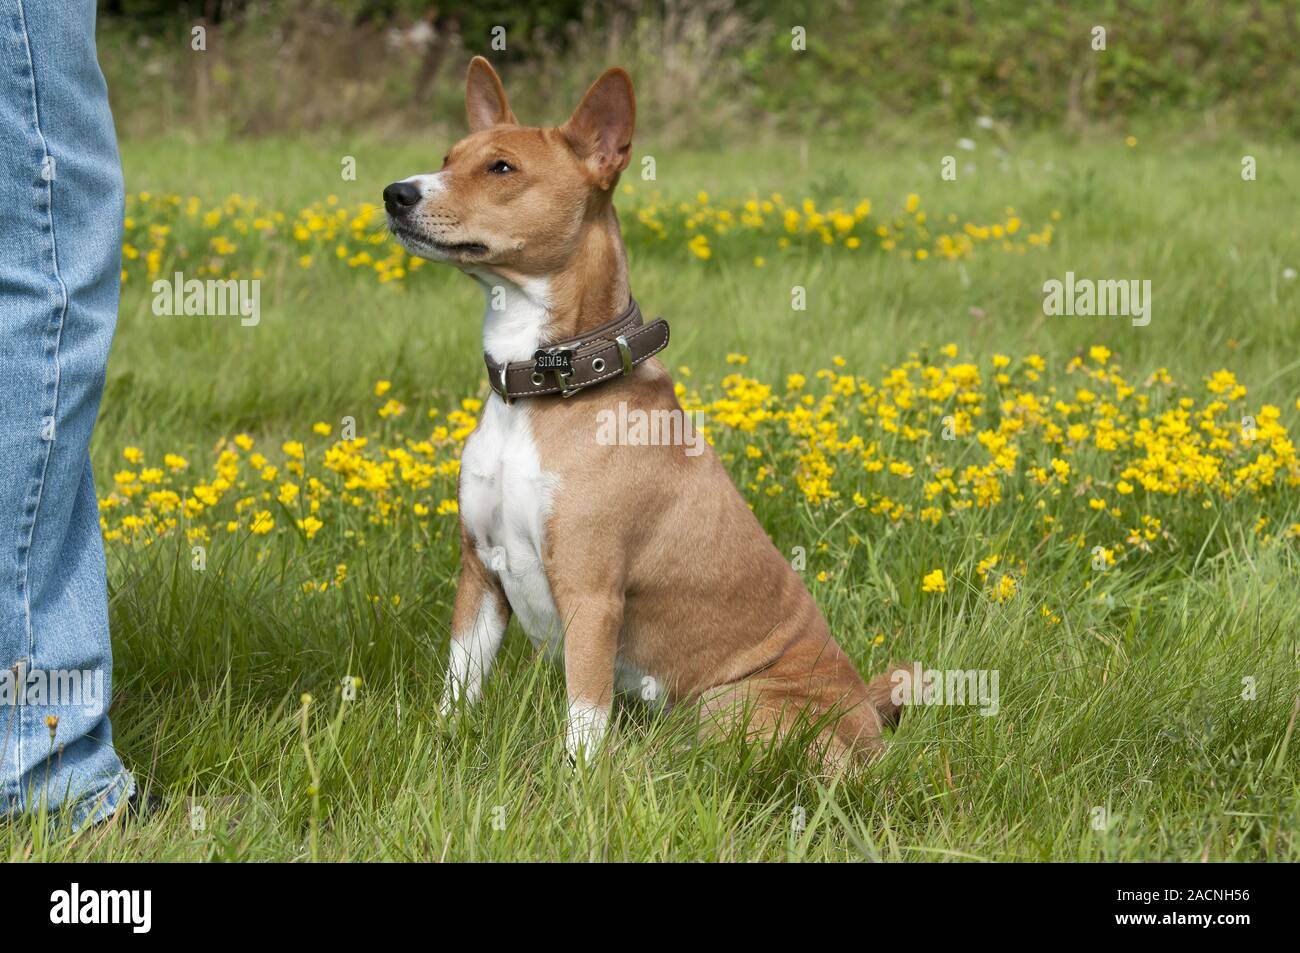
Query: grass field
[1123, 732]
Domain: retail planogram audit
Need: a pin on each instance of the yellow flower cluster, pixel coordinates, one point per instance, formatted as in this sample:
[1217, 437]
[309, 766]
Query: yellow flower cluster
[345, 481]
[1099, 462]
[936, 435]
[772, 224]
[240, 237]
[1105, 464]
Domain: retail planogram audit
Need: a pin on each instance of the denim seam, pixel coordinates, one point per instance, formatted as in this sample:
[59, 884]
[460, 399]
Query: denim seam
[25, 561]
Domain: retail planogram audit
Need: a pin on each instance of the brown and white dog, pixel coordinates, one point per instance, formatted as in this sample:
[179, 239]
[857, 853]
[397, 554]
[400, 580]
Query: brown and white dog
[626, 561]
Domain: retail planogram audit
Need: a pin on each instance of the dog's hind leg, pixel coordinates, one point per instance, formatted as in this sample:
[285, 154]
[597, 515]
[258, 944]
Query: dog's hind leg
[848, 715]
[888, 693]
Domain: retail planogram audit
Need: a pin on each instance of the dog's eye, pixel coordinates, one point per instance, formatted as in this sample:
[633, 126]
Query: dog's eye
[501, 167]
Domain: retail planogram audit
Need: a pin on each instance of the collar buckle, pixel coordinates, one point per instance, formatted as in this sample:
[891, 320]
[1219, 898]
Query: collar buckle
[561, 376]
[563, 380]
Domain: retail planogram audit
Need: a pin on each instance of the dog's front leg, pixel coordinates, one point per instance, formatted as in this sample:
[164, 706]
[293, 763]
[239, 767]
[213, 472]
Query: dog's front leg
[478, 624]
[593, 621]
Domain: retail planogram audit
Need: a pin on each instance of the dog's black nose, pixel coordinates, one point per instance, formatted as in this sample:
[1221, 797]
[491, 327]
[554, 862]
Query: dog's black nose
[399, 197]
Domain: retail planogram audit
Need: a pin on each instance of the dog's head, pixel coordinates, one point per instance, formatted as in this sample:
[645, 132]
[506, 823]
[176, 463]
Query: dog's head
[511, 197]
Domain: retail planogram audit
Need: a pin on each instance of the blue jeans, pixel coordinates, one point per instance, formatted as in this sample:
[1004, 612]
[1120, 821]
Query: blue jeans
[61, 207]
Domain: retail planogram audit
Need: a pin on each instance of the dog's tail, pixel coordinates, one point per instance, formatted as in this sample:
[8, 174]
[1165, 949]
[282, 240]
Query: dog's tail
[888, 693]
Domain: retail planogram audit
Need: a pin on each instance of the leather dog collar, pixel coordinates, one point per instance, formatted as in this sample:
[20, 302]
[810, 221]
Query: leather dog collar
[575, 364]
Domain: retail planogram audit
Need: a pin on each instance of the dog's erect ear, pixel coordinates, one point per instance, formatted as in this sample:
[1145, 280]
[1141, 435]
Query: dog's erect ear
[485, 97]
[600, 129]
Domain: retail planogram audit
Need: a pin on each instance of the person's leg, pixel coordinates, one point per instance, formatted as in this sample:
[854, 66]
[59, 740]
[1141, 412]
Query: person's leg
[60, 258]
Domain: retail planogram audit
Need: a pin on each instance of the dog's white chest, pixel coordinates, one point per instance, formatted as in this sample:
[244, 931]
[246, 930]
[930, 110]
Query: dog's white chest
[505, 499]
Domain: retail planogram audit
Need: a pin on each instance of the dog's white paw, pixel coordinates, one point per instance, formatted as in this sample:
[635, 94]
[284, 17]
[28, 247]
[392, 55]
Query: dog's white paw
[456, 697]
[585, 731]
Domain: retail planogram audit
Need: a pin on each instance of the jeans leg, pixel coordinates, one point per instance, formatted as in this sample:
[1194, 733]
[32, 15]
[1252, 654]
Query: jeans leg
[61, 220]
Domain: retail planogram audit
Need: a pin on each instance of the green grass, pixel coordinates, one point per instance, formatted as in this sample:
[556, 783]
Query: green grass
[1132, 704]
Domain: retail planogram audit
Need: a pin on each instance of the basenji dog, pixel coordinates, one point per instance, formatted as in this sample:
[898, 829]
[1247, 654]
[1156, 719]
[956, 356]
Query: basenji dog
[636, 565]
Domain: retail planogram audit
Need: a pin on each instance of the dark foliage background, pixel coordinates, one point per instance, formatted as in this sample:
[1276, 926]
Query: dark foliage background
[279, 66]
